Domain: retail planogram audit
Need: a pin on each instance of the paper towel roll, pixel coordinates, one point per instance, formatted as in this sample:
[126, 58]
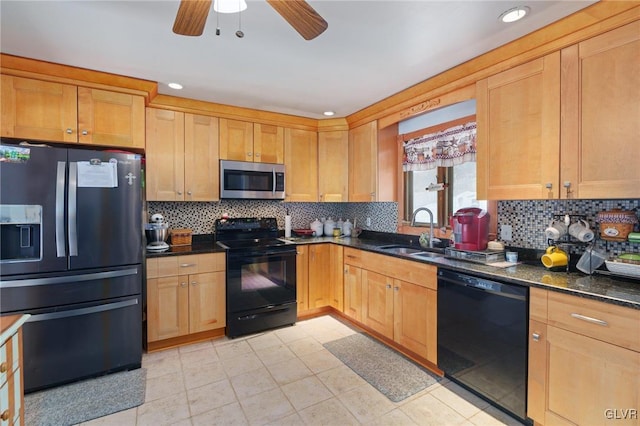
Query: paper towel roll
[287, 226]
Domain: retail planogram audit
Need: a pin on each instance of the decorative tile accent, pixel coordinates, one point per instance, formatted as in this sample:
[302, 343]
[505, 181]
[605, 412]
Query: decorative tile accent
[200, 216]
[529, 218]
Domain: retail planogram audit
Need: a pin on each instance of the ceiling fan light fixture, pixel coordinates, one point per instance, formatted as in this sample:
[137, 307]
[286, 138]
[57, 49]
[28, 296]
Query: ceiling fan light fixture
[514, 14]
[229, 6]
[176, 86]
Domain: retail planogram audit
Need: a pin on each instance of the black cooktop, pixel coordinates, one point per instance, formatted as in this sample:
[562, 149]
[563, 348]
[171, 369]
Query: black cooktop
[248, 233]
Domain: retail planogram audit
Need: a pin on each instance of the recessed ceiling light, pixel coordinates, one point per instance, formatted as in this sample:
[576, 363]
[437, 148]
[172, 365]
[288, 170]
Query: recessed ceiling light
[328, 113]
[514, 14]
[176, 86]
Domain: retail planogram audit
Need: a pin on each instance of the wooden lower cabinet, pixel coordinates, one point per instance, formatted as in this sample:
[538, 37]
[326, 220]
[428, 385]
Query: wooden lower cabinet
[302, 278]
[11, 367]
[396, 298]
[353, 292]
[185, 295]
[336, 277]
[319, 277]
[584, 368]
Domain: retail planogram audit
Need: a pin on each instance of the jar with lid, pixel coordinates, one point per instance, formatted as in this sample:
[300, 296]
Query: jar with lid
[316, 226]
[346, 228]
[329, 224]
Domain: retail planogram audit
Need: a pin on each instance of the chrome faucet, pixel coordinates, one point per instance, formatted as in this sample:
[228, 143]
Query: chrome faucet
[413, 222]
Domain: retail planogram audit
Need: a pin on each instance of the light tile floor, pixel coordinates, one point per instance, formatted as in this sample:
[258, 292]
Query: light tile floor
[285, 377]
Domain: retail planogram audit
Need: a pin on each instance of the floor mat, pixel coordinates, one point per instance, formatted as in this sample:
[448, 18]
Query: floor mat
[78, 402]
[390, 372]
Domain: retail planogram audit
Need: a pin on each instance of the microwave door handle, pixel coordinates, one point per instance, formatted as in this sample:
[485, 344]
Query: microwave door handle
[60, 184]
[73, 209]
[273, 189]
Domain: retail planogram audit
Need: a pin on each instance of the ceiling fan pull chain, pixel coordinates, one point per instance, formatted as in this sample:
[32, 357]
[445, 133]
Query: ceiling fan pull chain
[239, 33]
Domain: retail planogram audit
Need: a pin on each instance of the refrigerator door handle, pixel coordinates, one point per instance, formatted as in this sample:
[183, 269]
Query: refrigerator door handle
[73, 208]
[60, 184]
[68, 278]
[82, 311]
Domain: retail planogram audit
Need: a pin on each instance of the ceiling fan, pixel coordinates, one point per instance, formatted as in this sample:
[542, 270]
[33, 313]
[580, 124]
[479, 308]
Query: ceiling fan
[192, 16]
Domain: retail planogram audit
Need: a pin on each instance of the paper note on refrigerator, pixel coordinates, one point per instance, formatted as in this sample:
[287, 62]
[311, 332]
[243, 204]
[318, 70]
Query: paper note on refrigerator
[97, 174]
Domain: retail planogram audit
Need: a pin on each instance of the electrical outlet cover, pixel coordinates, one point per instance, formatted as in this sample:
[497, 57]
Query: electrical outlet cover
[506, 232]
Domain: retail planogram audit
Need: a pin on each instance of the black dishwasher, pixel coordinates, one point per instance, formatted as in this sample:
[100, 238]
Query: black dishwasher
[482, 338]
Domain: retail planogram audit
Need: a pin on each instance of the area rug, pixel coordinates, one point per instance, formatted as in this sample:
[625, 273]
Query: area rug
[394, 375]
[89, 399]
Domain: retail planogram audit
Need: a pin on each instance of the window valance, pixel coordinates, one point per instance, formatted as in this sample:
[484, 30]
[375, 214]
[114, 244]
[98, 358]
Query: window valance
[447, 148]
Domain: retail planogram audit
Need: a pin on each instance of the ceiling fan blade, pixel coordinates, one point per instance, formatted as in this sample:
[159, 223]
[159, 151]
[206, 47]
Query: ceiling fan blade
[302, 17]
[191, 17]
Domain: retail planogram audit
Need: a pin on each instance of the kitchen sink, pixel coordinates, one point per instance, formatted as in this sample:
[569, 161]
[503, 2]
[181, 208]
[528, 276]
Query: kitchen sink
[397, 249]
[426, 255]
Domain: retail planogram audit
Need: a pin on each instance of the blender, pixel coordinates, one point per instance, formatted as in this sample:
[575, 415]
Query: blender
[157, 232]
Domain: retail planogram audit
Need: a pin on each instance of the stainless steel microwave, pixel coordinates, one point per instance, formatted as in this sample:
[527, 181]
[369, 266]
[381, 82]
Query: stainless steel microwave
[246, 180]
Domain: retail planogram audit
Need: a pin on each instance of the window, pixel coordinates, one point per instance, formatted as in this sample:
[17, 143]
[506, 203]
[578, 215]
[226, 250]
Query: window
[439, 163]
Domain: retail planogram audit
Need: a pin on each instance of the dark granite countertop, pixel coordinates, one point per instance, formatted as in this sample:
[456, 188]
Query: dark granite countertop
[606, 288]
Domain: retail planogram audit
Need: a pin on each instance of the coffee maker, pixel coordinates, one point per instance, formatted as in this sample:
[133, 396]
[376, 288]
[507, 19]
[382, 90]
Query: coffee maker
[470, 227]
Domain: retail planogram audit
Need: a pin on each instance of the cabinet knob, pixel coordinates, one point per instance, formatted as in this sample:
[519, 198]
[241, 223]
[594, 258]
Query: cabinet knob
[69, 131]
[549, 185]
[396, 288]
[188, 192]
[257, 154]
[183, 285]
[85, 133]
[388, 285]
[4, 416]
[194, 283]
[179, 192]
[249, 154]
[535, 337]
[3, 367]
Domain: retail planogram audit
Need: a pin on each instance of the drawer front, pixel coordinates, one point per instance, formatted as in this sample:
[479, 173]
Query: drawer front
[353, 257]
[610, 323]
[183, 265]
[9, 357]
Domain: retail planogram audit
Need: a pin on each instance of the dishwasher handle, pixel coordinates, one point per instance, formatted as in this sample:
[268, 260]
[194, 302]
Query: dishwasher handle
[499, 289]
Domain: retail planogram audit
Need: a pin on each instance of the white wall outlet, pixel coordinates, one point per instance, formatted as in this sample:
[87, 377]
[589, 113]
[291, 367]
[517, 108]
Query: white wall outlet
[506, 232]
[368, 221]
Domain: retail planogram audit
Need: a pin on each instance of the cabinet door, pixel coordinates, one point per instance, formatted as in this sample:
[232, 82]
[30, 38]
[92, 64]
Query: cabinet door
[377, 302]
[167, 307]
[268, 143]
[589, 379]
[39, 110]
[518, 139]
[333, 165]
[414, 316]
[336, 277]
[600, 110]
[236, 140]
[165, 155]
[110, 118]
[301, 164]
[353, 292]
[363, 163]
[207, 302]
[537, 371]
[319, 275]
[302, 278]
[201, 165]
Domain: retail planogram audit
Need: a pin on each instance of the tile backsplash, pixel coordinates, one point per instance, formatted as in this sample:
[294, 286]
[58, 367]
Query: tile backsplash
[200, 216]
[529, 218]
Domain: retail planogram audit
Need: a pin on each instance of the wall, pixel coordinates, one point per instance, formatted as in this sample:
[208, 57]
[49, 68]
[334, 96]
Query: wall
[529, 218]
[201, 216]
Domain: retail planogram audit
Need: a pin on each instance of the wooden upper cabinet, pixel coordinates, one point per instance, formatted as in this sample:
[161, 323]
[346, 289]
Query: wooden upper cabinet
[333, 165]
[301, 165]
[201, 165]
[236, 140]
[164, 174]
[268, 143]
[363, 162]
[600, 115]
[518, 139]
[110, 118]
[41, 110]
[181, 156]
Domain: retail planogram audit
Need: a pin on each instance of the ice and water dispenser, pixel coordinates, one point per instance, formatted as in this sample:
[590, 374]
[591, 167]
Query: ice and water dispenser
[20, 233]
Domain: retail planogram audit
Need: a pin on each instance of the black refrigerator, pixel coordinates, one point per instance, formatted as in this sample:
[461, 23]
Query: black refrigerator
[71, 256]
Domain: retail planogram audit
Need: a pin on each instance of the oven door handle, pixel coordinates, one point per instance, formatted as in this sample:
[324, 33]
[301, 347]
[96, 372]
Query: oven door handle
[266, 253]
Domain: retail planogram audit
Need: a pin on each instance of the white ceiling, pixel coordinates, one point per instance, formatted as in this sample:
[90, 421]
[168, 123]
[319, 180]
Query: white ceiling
[371, 50]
